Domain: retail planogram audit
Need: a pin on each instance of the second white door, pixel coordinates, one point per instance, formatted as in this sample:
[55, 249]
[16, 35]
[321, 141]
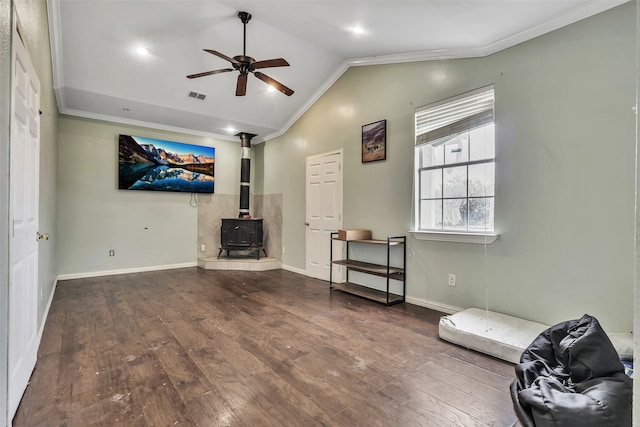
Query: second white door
[323, 210]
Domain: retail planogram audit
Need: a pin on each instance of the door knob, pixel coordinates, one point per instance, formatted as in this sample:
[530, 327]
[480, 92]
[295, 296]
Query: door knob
[306, 223]
[43, 236]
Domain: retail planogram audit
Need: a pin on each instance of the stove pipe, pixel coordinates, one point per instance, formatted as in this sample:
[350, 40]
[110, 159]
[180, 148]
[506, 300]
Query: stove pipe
[245, 172]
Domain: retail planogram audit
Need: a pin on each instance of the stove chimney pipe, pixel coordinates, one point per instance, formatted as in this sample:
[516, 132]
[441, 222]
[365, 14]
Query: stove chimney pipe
[245, 172]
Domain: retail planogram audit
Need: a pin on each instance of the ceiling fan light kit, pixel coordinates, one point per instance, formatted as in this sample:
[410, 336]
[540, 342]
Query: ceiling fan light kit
[245, 64]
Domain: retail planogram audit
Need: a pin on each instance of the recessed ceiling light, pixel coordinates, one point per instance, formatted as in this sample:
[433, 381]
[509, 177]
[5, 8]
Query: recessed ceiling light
[142, 51]
[271, 88]
[357, 30]
[230, 129]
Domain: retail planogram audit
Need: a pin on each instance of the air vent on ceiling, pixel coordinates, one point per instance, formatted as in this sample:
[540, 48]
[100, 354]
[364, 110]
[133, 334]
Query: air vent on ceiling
[197, 95]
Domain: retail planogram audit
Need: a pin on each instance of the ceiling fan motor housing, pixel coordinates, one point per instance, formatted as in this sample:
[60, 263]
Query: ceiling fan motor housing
[245, 64]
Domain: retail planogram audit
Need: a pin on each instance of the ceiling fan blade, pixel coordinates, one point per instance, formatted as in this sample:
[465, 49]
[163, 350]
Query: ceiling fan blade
[208, 73]
[241, 86]
[269, 63]
[221, 55]
[276, 84]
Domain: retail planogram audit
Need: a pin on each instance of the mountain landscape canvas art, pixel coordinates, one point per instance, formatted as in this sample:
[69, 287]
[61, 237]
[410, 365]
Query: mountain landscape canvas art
[157, 165]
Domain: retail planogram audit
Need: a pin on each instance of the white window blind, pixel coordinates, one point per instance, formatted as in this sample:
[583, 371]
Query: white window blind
[454, 184]
[454, 115]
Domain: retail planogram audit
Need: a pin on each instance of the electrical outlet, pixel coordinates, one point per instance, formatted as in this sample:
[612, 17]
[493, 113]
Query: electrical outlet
[112, 252]
[452, 279]
[202, 248]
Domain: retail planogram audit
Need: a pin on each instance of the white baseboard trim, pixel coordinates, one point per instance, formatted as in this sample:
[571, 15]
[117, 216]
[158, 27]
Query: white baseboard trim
[125, 271]
[294, 269]
[449, 309]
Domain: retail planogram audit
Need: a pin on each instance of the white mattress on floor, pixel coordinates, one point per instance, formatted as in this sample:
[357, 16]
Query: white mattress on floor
[504, 336]
[496, 334]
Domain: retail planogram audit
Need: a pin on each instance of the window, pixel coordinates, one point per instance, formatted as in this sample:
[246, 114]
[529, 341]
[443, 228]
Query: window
[455, 165]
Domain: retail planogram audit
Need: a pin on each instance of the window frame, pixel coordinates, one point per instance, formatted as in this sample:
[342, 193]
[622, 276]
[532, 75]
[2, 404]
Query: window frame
[471, 111]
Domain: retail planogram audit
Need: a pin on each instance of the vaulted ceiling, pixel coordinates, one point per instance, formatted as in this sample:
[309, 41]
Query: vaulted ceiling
[98, 73]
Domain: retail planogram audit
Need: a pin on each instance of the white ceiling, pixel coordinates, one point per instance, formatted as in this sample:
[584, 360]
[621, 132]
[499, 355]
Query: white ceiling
[97, 73]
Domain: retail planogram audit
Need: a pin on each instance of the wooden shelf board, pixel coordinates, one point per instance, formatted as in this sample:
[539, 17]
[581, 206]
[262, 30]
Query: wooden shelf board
[395, 273]
[374, 242]
[365, 292]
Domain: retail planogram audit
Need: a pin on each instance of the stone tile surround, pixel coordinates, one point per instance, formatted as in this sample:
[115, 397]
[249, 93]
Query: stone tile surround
[213, 207]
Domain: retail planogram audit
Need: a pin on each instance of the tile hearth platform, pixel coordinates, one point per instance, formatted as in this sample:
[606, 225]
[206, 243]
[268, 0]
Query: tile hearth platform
[238, 263]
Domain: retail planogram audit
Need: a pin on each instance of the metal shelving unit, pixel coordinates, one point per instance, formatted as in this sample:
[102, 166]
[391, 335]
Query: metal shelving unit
[382, 270]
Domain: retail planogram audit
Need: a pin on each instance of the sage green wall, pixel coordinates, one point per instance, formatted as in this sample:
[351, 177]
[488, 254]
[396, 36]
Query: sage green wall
[636, 324]
[146, 229]
[565, 136]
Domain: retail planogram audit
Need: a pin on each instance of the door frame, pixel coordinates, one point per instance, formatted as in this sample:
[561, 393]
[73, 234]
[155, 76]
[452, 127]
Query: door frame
[340, 152]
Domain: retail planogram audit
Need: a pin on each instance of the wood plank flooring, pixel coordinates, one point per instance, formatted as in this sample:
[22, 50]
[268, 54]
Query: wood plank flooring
[193, 347]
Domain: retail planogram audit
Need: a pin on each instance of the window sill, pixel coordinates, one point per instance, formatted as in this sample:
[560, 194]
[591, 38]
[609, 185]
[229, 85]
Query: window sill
[450, 236]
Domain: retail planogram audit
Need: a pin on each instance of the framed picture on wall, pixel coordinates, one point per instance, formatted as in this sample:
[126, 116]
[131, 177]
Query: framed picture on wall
[374, 141]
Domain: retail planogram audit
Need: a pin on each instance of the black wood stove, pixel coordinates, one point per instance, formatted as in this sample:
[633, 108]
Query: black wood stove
[241, 234]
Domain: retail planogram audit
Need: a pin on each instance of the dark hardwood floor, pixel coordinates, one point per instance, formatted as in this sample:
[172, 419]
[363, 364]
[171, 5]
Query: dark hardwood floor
[194, 347]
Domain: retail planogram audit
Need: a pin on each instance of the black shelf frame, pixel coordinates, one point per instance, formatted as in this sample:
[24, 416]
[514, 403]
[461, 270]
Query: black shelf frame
[382, 270]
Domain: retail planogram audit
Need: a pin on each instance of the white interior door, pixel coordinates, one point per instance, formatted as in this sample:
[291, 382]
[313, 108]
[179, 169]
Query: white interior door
[23, 251]
[324, 210]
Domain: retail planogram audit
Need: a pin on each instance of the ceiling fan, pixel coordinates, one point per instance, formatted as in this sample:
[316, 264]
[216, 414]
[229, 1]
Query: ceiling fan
[246, 64]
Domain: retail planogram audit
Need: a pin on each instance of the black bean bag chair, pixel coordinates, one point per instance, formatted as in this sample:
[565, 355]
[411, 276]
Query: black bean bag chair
[571, 375]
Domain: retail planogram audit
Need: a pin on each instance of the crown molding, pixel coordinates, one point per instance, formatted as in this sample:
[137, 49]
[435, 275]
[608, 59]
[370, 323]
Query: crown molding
[592, 8]
[145, 124]
[573, 16]
[588, 10]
